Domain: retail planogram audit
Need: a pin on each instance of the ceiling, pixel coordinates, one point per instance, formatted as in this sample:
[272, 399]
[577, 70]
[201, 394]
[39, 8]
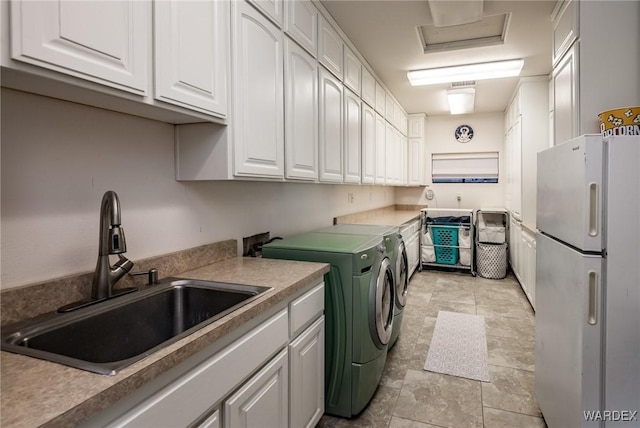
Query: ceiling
[386, 34]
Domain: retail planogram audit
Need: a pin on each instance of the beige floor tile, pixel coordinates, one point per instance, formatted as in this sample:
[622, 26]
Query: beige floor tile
[491, 294]
[439, 399]
[419, 296]
[511, 390]
[503, 309]
[376, 415]
[441, 305]
[517, 353]
[418, 356]
[494, 418]
[406, 423]
[455, 295]
[517, 328]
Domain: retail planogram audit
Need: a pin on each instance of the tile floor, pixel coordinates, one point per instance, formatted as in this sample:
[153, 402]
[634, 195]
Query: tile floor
[409, 397]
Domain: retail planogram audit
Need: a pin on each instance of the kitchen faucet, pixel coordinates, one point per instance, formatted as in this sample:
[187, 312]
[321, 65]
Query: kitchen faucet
[112, 241]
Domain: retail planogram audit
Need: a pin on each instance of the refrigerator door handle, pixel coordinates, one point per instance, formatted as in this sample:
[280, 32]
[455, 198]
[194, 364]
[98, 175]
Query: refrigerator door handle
[593, 298]
[593, 209]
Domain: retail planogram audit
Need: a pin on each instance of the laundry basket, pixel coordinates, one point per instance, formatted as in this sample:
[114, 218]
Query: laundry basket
[491, 260]
[445, 240]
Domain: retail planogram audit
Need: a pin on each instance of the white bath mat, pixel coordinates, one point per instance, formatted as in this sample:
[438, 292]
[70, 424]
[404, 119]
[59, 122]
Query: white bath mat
[459, 346]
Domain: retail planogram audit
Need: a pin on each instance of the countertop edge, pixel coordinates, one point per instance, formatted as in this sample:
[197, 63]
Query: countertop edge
[149, 368]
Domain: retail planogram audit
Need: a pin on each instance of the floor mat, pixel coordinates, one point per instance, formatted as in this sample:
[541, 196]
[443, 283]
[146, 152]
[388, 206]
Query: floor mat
[459, 346]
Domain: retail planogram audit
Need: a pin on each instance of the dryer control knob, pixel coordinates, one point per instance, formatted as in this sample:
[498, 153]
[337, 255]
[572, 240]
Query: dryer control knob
[364, 257]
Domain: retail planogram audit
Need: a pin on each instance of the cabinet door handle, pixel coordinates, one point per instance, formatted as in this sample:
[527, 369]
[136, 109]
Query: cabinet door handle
[593, 209]
[593, 298]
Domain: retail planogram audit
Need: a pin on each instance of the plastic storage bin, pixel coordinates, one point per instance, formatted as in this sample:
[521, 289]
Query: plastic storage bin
[445, 239]
[491, 260]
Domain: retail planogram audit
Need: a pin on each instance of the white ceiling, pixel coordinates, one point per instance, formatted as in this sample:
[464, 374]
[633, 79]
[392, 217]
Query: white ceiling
[385, 33]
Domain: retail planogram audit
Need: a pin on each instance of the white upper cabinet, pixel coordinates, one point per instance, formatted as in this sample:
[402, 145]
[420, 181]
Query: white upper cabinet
[301, 112]
[564, 78]
[330, 47]
[390, 109]
[330, 127]
[414, 156]
[416, 125]
[381, 154]
[368, 145]
[368, 88]
[301, 24]
[258, 116]
[381, 99]
[106, 42]
[390, 155]
[352, 71]
[565, 27]
[352, 137]
[190, 52]
[272, 9]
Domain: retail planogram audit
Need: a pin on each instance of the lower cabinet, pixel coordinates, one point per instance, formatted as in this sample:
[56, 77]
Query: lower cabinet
[306, 365]
[411, 235]
[272, 375]
[522, 253]
[263, 400]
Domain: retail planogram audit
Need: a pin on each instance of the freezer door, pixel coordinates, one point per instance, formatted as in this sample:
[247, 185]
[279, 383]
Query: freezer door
[568, 334]
[569, 195]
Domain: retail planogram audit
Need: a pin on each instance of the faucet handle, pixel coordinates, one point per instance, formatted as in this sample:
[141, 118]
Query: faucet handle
[152, 274]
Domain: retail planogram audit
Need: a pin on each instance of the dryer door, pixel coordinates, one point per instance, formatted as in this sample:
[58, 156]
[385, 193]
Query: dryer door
[402, 277]
[382, 304]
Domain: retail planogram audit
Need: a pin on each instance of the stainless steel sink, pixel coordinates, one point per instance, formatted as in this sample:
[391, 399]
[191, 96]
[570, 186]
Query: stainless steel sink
[109, 336]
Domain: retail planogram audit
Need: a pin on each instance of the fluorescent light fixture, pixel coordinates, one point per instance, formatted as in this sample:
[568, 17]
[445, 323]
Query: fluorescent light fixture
[461, 100]
[486, 70]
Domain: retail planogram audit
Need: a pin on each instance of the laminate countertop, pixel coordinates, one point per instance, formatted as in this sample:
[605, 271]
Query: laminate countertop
[37, 392]
[388, 216]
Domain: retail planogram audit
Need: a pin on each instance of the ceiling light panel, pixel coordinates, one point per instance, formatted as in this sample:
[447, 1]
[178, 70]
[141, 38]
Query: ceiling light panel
[487, 70]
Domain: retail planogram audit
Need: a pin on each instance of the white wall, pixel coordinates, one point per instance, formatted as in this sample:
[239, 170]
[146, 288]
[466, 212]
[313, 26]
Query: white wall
[58, 159]
[439, 134]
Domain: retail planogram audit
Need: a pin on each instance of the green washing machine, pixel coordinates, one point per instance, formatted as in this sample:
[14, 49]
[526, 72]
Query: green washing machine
[359, 296]
[396, 252]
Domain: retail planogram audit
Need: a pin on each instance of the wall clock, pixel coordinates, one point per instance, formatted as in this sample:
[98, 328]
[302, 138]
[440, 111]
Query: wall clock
[464, 133]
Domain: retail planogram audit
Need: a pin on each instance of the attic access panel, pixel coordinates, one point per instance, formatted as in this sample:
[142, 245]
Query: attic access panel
[491, 30]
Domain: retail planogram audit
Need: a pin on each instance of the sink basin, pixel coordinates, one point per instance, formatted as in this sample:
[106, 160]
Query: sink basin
[108, 336]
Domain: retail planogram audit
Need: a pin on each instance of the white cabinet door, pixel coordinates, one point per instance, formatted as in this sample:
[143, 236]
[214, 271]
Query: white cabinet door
[352, 137]
[263, 400]
[301, 109]
[258, 94]
[381, 154]
[368, 88]
[368, 145]
[381, 99]
[565, 28]
[352, 71]
[330, 46]
[191, 54]
[390, 149]
[415, 162]
[389, 109]
[330, 127]
[516, 187]
[412, 246]
[107, 42]
[403, 163]
[272, 9]
[301, 24]
[565, 97]
[213, 421]
[306, 360]
[415, 124]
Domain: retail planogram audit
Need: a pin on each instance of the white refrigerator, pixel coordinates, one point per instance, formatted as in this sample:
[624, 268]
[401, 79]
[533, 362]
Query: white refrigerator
[587, 355]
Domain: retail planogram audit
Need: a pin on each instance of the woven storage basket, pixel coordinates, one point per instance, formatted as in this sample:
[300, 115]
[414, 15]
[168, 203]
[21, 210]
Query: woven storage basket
[491, 260]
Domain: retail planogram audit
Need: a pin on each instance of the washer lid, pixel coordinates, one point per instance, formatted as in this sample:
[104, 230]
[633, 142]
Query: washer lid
[360, 229]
